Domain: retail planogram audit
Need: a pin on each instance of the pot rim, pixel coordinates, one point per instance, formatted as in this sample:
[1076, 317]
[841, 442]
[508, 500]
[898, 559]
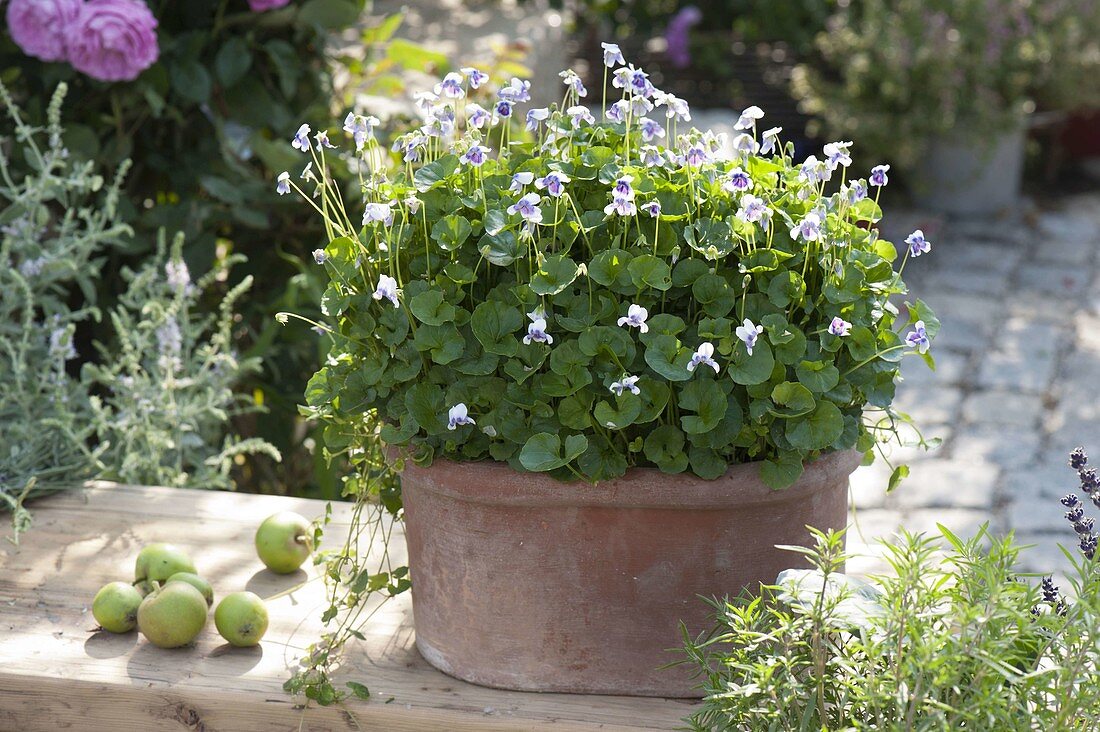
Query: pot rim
[492, 482]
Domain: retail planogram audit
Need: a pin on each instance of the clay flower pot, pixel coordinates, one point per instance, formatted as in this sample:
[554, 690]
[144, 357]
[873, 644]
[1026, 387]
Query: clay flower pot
[524, 582]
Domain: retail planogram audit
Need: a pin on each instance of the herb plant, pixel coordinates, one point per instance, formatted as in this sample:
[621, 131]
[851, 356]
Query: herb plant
[954, 638]
[587, 296]
[154, 408]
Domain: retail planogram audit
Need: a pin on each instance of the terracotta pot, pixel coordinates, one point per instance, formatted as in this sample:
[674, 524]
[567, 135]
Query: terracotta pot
[524, 582]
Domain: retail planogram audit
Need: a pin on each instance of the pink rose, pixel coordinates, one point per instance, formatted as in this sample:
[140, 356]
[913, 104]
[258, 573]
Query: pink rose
[113, 40]
[259, 6]
[39, 26]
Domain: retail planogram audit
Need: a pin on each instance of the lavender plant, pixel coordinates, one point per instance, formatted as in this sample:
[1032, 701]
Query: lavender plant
[155, 409]
[163, 394]
[954, 638]
[589, 295]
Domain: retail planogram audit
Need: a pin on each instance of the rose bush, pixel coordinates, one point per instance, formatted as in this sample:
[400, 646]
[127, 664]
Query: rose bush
[602, 295]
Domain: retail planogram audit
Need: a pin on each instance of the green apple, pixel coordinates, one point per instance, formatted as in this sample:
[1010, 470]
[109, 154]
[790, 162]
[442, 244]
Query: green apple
[283, 541]
[173, 615]
[115, 607]
[158, 562]
[197, 582]
[241, 618]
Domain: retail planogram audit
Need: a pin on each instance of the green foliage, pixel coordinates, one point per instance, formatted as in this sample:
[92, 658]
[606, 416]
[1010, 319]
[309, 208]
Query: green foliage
[473, 277]
[155, 408]
[897, 72]
[199, 126]
[163, 390]
[953, 638]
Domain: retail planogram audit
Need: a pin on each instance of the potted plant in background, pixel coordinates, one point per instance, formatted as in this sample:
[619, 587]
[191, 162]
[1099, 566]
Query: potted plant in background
[618, 367]
[944, 89]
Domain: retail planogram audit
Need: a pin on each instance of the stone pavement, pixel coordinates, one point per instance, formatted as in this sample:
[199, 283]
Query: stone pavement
[1017, 384]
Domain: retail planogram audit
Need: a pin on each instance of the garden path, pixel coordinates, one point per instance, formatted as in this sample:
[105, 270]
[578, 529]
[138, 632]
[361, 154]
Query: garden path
[1016, 387]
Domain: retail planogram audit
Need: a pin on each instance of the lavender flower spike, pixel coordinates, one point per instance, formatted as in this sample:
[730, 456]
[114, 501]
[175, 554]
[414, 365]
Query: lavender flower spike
[748, 332]
[918, 338]
[704, 354]
[635, 318]
[458, 416]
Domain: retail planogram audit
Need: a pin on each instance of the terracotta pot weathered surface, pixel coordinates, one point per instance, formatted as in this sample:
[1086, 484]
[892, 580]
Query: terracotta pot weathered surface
[524, 582]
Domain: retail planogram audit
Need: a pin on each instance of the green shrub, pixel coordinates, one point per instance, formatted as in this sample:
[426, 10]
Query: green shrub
[155, 408]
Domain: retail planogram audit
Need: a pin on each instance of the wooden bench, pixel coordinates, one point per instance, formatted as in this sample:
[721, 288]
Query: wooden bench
[56, 673]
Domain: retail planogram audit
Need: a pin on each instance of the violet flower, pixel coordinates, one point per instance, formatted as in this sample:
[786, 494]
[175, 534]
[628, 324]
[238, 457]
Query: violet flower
[635, 318]
[918, 337]
[536, 333]
[748, 332]
[840, 327]
[918, 245]
[458, 416]
[878, 175]
[627, 383]
[387, 288]
[528, 208]
[704, 355]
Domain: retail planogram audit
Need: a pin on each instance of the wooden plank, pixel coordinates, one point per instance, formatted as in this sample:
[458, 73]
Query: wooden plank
[56, 673]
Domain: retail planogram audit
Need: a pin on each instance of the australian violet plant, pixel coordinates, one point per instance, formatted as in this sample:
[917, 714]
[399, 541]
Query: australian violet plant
[579, 290]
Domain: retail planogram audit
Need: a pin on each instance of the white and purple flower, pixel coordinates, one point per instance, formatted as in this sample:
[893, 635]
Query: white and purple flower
[651, 130]
[770, 140]
[580, 114]
[840, 327]
[282, 186]
[612, 55]
[623, 188]
[918, 337]
[516, 91]
[918, 245]
[535, 117]
[554, 183]
[621, 206]
[451, 86]
[653, 208]
[570, 79]
[322, 140]
[749, 332]
[503, 109]
[855, 192]
[878, 175]
[617, 111]
[808, 229]
[528, 208]
[737, 181]
[753, 209]
[704, 355]
[382, 212]
[635, 318]
[696, 156]
[837, 155]
[319, 256]
[301, 139]
[387, 288]
[536, 333]
[475, 156]
[476, 77]
[521, 179]
[477, 116]
[627, 383]
[748, 118]
[458, 416]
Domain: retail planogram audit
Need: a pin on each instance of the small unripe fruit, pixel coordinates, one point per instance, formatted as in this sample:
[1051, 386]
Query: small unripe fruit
[283, 541]
[115, 607]
[197, 582]
[158, 562]
[173, 615]
[241, 618]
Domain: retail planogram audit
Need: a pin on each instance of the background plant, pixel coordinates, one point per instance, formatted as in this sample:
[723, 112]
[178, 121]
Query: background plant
[155, 409]
[228, 78]
[501, 307]
[893, 73]
[954, 638]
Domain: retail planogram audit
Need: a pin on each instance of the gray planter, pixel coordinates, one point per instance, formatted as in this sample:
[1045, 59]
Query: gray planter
[967, 176]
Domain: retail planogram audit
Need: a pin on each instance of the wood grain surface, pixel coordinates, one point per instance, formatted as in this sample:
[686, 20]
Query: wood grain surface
[58, 673]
